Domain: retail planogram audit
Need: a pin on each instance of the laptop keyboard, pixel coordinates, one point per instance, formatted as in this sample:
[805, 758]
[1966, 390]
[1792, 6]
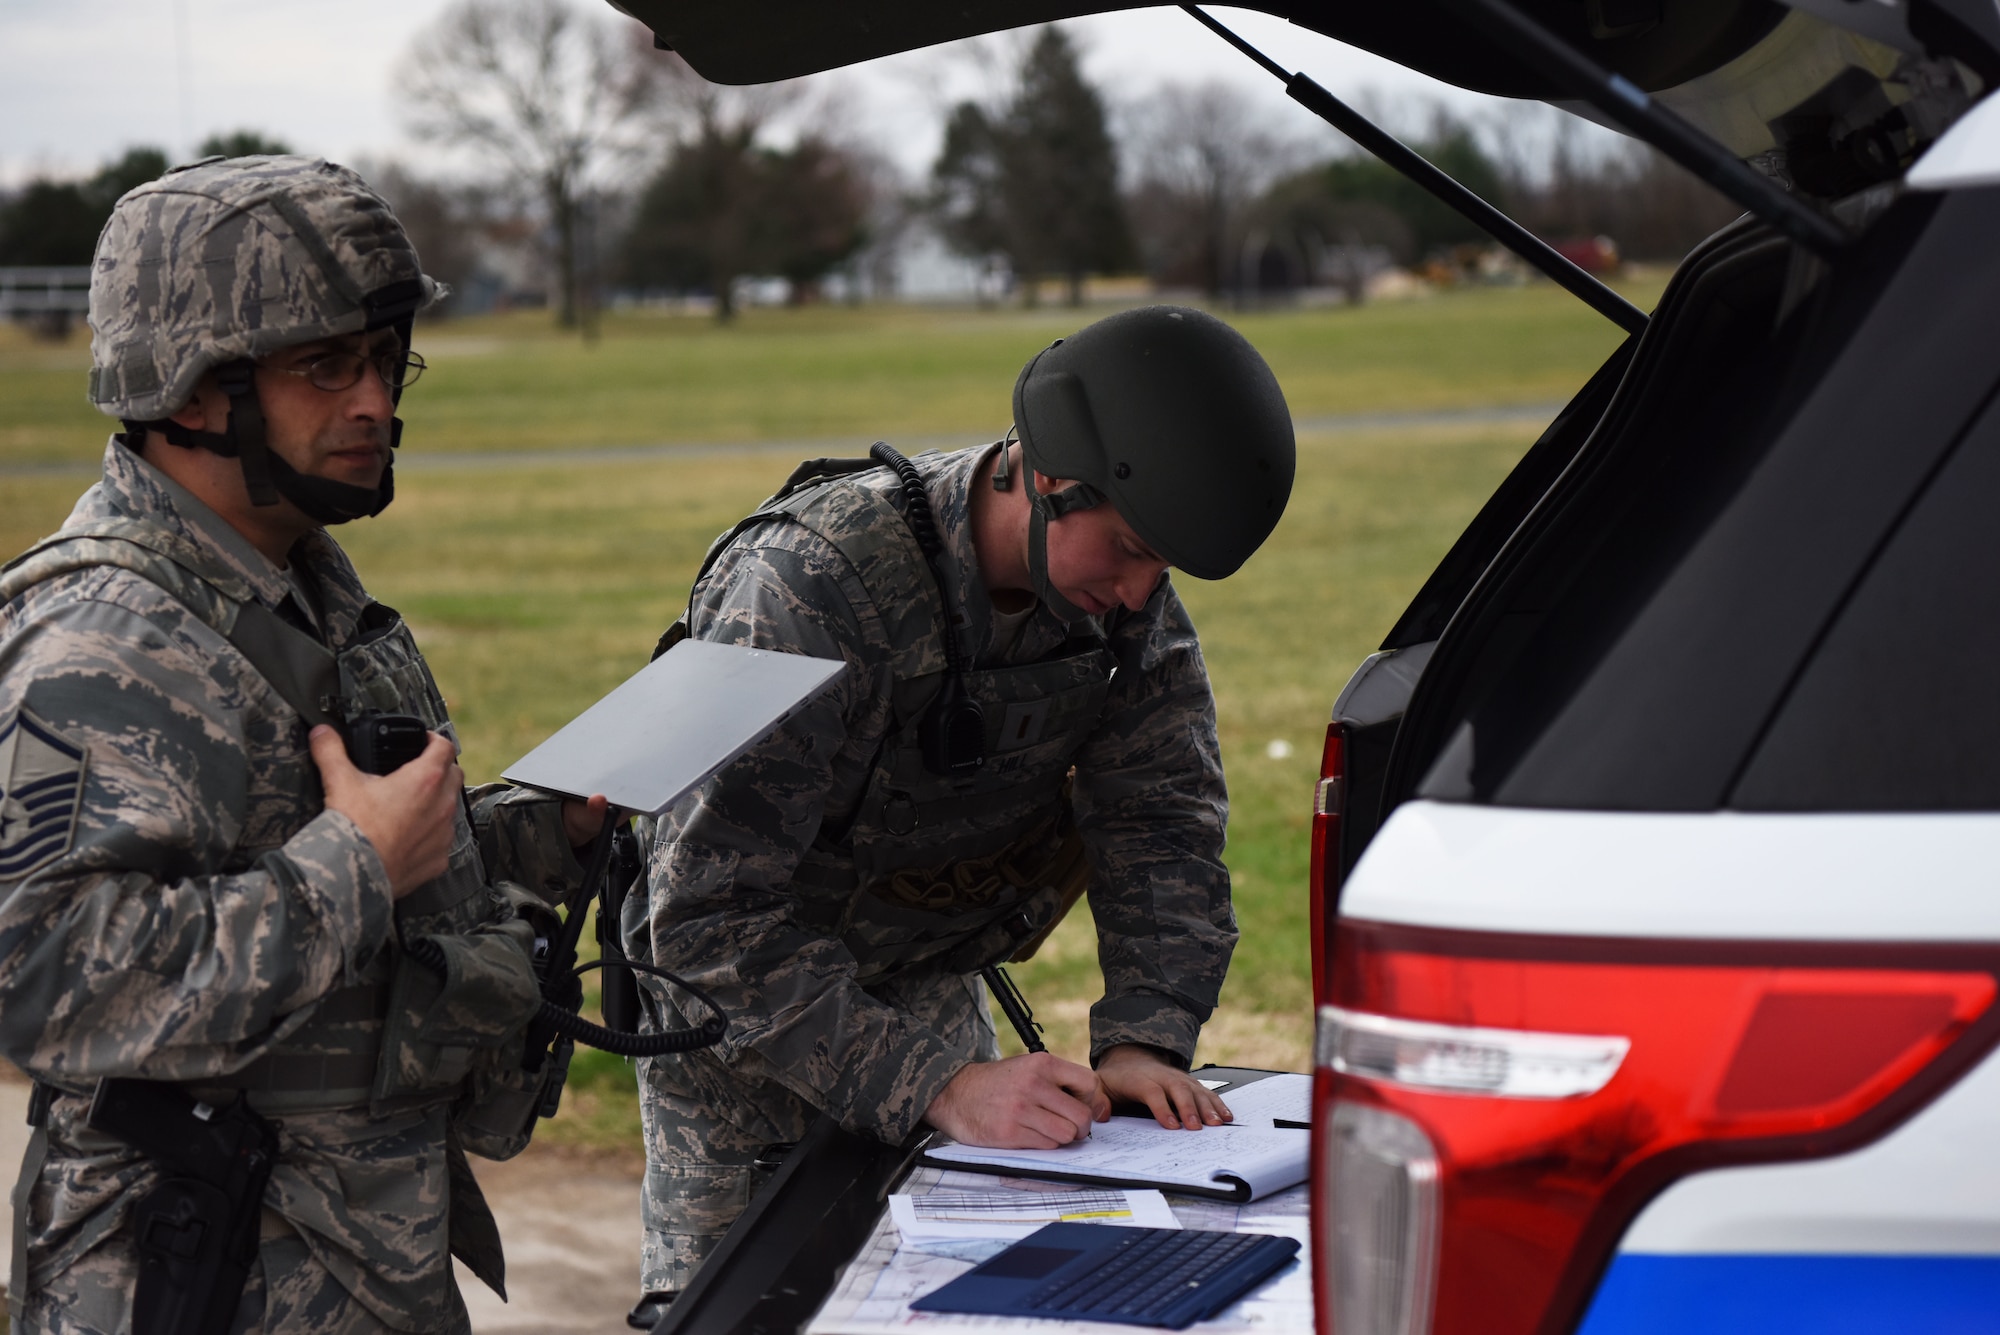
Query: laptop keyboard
[1145, 1275]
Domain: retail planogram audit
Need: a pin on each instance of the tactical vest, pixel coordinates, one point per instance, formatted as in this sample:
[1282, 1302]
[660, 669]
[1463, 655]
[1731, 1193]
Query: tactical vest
[378, 1043]
[935, 872]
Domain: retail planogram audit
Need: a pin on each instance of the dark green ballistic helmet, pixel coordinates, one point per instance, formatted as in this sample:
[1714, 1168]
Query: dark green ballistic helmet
[1174, 418]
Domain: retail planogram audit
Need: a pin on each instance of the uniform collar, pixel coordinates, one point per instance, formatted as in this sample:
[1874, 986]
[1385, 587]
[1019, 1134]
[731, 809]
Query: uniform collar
[133, 488]
[950, 478]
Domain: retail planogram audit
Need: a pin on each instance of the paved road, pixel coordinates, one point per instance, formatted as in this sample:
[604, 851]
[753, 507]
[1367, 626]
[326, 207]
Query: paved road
[418, 461]
[571, 1227]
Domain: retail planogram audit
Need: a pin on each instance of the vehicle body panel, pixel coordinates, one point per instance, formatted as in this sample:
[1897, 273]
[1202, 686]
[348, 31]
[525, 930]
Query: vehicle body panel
[1737, 876]
[1901, 1235]
[1968, 154]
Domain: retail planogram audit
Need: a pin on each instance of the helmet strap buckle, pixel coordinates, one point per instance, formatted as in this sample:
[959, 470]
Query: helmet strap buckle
[246, 434]
[243, 440]
[1081, 496]
[1038, 554]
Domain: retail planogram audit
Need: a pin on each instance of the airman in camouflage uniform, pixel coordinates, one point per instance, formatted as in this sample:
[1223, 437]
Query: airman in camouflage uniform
[196, 888]
[837, 895]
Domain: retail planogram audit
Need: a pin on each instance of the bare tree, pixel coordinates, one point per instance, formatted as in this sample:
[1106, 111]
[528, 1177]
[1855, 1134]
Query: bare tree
[540, 91]
[443, 221]
[1204, 153]
[691, 107]
[1565, 179]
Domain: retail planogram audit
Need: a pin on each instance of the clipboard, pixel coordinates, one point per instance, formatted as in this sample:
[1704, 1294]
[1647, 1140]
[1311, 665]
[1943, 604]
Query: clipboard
[675, 724]
[1236, 1163]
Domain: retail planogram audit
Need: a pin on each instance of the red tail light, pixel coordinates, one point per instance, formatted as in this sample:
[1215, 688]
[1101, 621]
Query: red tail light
[1496, 1108]
[1329, 803]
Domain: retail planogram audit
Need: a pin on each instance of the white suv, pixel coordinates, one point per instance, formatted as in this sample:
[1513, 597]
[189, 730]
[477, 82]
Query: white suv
[1662, 997]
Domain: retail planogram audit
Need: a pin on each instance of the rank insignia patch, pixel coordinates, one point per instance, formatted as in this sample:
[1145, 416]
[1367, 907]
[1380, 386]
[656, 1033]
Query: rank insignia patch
[41, 787]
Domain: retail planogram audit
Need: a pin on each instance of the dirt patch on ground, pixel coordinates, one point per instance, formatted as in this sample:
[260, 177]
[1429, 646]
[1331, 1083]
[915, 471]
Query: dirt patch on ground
[570, 1223]
[14, 1091]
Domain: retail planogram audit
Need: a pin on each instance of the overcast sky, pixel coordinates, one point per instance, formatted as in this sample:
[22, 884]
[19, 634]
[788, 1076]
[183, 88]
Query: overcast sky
[81, 80]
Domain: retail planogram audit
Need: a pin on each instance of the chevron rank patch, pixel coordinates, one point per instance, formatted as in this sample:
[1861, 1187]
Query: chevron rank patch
[41, 787]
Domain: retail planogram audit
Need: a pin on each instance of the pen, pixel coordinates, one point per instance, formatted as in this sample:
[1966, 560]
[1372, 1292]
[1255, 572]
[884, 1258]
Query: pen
[1015, 1006]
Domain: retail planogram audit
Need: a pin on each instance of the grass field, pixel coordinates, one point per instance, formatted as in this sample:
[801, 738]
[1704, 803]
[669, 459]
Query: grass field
[535, 588]
[512, 382]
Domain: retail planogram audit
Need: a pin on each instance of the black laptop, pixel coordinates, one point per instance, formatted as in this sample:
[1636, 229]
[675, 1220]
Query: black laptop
[1168, 1277]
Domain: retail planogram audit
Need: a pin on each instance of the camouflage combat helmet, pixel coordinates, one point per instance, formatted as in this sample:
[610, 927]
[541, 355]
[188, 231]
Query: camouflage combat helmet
[227, 260]
[1173, 417]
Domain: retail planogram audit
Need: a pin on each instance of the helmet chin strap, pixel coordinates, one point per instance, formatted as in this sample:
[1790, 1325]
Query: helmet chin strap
[332, 502]
[1041, 510]
[266, 475]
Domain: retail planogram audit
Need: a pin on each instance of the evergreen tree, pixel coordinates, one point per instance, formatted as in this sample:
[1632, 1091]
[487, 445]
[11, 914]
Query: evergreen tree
[57, 222]
[49, 222]
[816, 204]
[1064, 191]
[241, 144]
[968, 189]
[723, 207]
[134, 169]
[697, 223]
[1364, 179]
[1037, 182]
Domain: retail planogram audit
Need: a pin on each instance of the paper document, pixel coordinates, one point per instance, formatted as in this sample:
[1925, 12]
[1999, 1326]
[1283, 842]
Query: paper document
[939, 1216]
[1286, 1097]
[1240, 1163]
[873, 1294]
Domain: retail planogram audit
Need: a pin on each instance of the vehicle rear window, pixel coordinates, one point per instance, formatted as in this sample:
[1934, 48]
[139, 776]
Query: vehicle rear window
[1899, 708]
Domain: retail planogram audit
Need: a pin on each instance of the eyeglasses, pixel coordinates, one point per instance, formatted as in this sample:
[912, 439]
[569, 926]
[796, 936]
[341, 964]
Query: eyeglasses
[335, 371]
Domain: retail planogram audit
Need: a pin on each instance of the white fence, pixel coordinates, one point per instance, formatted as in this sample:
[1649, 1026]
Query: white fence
[45, 290]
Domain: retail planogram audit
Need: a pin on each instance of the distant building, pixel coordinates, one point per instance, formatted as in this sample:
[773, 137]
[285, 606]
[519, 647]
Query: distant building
[927, 269]
[910, 261]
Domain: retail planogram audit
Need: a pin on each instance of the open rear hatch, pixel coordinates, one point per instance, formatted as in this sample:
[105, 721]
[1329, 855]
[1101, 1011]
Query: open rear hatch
[1653, 43]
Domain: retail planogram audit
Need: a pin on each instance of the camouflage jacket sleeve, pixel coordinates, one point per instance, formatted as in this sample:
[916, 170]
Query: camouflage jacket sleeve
[521, 839]
[1152, 809]
[723, 911]
[192, 910]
